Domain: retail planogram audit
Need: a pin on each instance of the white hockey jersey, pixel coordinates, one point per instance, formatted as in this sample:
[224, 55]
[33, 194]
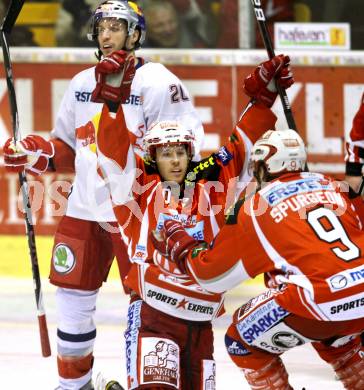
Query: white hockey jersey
[156, 94]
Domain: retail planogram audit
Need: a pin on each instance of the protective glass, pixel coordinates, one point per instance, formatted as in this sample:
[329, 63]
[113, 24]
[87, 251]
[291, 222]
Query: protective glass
[171, 152]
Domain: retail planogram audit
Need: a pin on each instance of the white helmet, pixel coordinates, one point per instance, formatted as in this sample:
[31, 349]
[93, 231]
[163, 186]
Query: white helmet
[119, 9]
[280, 150]
[167, 133]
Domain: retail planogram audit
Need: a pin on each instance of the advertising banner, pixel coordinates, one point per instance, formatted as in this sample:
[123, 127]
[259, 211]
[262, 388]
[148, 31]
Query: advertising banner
[313, 36]
[324, 100]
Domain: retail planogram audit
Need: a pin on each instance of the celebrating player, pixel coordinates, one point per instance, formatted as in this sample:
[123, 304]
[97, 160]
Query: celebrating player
[355, 152]
[354, 159]
[305, 236]
[169, 317]
[87, 238]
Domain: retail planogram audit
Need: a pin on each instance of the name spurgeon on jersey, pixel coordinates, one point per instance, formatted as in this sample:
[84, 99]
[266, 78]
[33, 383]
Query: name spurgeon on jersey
[301, 201]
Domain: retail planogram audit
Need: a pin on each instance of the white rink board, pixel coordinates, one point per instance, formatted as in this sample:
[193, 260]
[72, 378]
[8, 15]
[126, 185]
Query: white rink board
[189, 56]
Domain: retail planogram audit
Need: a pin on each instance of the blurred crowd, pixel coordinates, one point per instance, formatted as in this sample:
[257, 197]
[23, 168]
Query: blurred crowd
[176, 23]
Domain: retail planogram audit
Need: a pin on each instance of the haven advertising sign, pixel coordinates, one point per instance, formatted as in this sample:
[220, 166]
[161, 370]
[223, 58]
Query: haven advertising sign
[328, 36]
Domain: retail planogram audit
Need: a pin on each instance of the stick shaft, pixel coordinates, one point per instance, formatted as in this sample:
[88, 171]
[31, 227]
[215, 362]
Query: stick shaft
[260, 17]
[8, 23]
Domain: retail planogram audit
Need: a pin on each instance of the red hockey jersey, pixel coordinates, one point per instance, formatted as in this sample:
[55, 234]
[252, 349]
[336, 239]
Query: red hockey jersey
[302, 227]
[142, 202]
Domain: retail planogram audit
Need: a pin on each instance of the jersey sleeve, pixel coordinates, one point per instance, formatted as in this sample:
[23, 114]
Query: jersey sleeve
[63, 160]
[115, 155]
[234, 156]
[165, 97]
[220, 267]
[355, 144]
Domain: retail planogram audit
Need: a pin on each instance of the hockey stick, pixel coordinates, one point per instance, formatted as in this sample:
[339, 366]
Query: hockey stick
[259, 14]
[6, 27]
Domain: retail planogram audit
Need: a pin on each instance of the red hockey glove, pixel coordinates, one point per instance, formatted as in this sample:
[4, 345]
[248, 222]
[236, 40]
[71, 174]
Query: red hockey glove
[174, 242]
[32, 154]
[260, 84]
[114, 75]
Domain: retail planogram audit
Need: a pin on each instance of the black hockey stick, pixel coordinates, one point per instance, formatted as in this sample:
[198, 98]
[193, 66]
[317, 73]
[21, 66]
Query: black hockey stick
[6, 27]
[259, 14]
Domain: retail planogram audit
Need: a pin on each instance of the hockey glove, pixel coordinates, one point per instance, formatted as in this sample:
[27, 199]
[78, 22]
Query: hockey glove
[114, 75]
[261, 84]
[174, 242]
[32, 154]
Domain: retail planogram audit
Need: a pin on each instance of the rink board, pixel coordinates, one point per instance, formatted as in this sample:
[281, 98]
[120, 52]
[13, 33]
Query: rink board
[324, 99]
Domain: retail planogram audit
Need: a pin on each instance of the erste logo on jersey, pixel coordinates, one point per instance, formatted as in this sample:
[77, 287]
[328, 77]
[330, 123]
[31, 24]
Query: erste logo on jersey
[85, 97]
[281, 191]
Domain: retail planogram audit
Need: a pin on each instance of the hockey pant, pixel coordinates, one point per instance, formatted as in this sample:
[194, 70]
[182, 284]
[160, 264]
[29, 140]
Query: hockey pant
[262, 330]
[165, 352]
[82, 256]
[83, 252]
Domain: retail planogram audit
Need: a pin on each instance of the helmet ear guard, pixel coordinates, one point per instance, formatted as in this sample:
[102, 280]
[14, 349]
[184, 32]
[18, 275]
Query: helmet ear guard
[122, 10]
[280, 151]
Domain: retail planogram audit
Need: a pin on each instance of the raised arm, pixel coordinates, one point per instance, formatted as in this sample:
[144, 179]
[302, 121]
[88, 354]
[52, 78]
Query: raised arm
[257, 117]
[116, 158]
[216, 269]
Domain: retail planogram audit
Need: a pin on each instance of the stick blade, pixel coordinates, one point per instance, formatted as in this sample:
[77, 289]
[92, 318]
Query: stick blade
[44, 337]
[11, 16]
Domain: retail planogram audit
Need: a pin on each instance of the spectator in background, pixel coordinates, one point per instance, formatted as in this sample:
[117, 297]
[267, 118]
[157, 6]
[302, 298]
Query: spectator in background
[72, 24]
[165, 28]
[201, 18]
[228, 22]
[177, 24]
[3, 7]
[339, 11]
[20, 35]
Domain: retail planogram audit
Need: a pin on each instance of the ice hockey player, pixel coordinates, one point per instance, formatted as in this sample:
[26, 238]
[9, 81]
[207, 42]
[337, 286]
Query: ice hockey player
[354, 162]
[169, 317]
[306, 238]
[87, 237]
[354, 157]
